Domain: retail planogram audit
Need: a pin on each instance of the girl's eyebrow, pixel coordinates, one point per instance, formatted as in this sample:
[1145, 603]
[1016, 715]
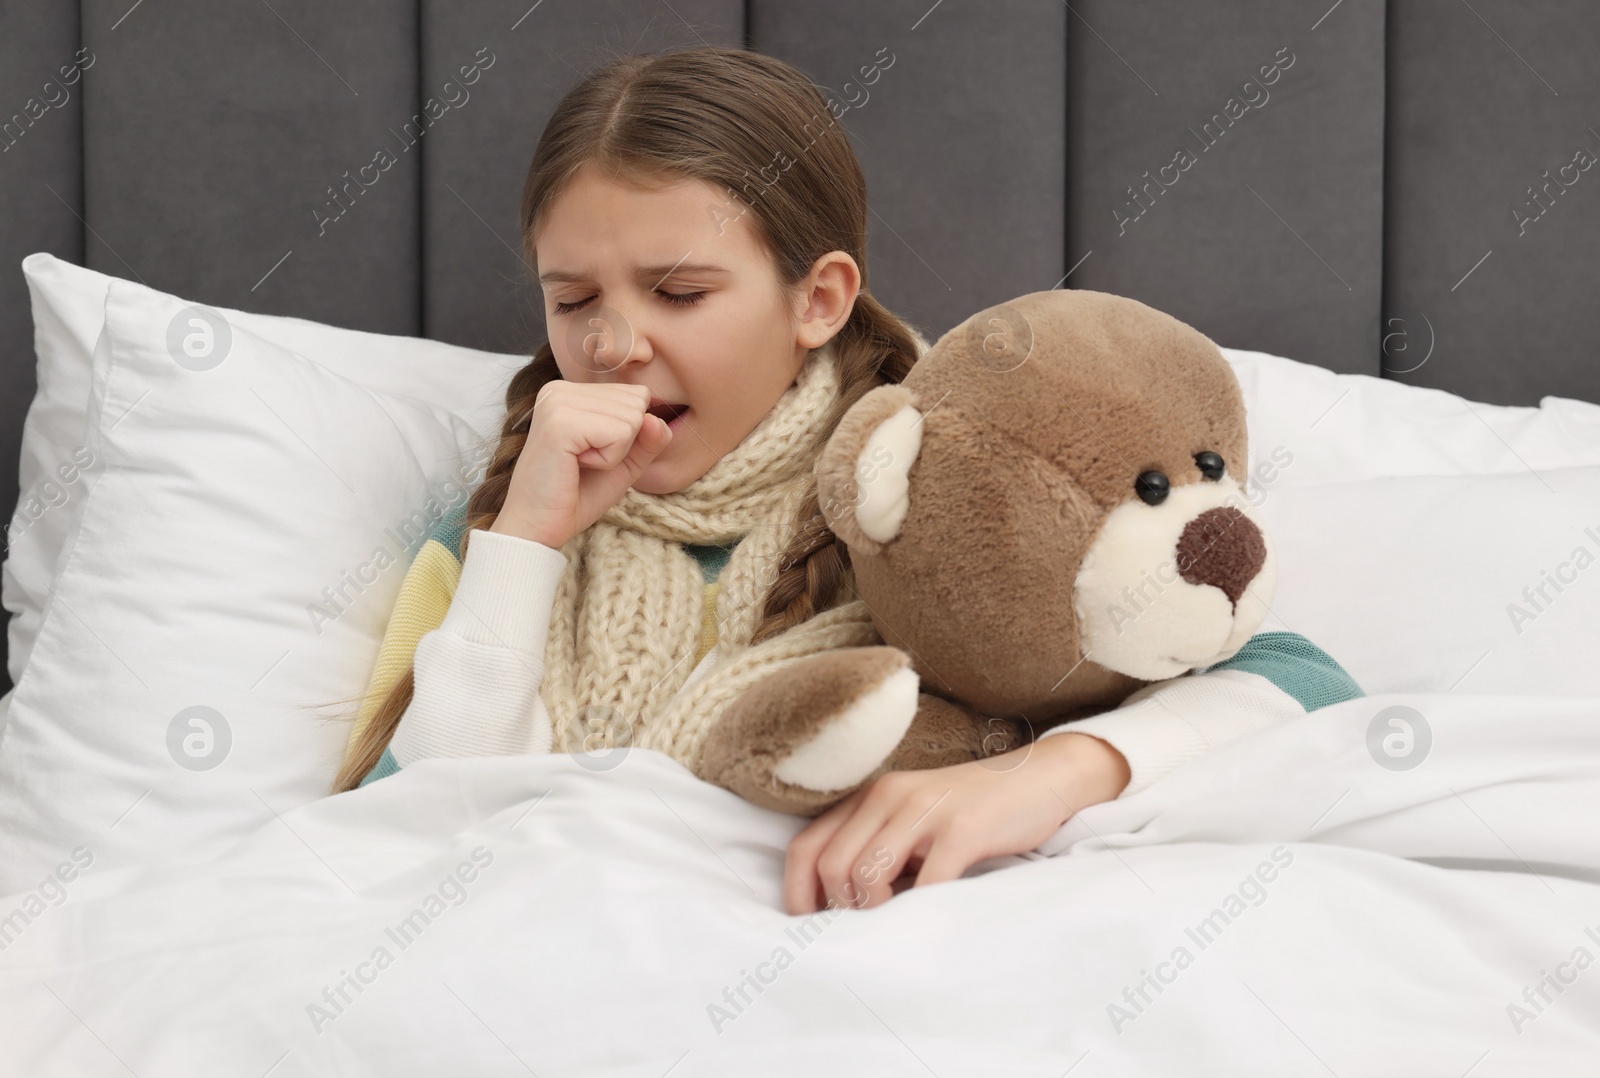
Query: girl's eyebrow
[643, 272]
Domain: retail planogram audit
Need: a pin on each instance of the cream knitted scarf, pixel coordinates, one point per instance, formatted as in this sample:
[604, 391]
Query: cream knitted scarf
[629, 606]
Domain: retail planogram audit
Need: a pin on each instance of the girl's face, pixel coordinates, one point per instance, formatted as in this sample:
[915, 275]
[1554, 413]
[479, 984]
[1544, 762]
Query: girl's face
[666, 289]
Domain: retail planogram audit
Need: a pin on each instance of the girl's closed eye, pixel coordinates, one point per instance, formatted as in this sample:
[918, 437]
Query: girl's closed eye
[681, 299]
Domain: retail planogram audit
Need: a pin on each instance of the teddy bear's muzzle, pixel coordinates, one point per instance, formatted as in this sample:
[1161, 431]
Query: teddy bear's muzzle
[1167, 588]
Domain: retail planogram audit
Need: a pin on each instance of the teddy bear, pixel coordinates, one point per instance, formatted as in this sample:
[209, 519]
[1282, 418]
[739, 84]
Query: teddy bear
[1043, 518]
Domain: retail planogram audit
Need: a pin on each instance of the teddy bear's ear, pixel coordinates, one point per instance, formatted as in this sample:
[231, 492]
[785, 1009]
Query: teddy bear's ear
[862, 474]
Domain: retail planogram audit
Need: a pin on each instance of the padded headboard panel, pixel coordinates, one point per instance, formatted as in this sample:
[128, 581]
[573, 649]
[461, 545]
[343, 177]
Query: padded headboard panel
[1306, 178]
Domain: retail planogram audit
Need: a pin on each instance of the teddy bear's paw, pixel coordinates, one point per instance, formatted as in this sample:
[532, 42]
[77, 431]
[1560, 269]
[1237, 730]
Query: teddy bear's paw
[863, 729]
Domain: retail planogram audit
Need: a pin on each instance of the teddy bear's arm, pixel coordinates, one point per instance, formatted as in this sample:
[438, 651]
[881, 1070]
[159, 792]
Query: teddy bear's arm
[810, 734]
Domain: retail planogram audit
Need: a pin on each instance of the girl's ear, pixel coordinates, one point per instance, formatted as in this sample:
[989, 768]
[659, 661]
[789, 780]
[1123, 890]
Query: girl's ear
[863, 472]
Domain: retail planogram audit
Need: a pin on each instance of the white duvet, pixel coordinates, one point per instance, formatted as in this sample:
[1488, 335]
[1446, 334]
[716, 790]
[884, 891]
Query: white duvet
[1284, 905]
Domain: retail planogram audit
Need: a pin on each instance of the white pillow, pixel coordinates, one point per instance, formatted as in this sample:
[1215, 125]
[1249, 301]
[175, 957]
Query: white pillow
[1417, 583]
[1310, 425]
[68, 317]
[169, 704]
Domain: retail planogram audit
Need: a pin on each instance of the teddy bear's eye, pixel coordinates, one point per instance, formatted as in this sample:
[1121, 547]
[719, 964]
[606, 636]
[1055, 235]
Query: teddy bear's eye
[1152, 487]
[1210, 464]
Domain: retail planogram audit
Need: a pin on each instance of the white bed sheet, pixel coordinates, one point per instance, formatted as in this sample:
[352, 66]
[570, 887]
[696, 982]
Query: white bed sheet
[612, 908]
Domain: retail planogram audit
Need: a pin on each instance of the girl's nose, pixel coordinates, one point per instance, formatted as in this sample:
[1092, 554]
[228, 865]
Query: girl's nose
[607, 340]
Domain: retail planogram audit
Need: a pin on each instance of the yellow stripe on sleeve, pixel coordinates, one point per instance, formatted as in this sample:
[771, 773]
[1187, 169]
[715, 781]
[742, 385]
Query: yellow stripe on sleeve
[420, 608]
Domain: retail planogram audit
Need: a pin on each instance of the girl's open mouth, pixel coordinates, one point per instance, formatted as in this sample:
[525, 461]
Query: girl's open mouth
[671, 413]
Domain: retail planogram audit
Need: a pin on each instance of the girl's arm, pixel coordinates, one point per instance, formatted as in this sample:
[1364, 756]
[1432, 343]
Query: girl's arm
[939, 822]
[477, 675]
[1274, 676]
[942, 821]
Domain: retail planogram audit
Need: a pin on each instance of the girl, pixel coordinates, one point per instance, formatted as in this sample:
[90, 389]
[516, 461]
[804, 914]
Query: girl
[647, 538]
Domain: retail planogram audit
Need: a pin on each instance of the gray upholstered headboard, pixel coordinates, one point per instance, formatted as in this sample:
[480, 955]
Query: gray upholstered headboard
[1285, 175]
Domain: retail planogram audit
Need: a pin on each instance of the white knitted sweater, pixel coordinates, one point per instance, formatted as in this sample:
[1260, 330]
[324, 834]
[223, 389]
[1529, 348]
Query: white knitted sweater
[477, 677]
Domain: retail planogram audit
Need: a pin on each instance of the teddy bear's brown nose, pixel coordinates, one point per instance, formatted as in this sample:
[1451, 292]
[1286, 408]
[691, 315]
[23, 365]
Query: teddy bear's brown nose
[1221, 547]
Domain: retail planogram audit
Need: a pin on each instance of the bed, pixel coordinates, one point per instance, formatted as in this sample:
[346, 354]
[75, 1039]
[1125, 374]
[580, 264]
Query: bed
[1404, 884]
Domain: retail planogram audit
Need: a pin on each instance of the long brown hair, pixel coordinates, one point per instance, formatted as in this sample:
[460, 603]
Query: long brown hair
[729, 117]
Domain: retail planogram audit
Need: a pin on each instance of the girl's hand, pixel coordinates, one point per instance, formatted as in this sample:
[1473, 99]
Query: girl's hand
[587, 444]
[945, 820]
